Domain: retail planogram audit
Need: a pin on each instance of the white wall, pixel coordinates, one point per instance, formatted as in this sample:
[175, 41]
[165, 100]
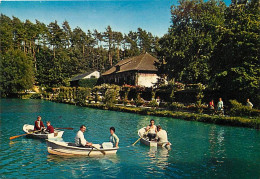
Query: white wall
[95, 73]
[146, 80]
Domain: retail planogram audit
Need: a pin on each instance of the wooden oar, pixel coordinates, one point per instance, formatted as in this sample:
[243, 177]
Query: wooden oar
[14, 137]
[103, 152]
[69, 128]
[141, 137]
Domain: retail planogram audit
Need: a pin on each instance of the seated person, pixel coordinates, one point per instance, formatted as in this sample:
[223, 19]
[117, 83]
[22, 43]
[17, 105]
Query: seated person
[80, 139]
[38, 124]
[161, 135]
[49, 129]
[151, 130]
[113, 137]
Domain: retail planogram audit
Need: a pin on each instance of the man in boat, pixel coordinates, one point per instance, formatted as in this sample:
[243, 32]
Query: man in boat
[38, 124]
[113, 137]
[80, 139]
[161, 135]
[152, 130]
[49, 129]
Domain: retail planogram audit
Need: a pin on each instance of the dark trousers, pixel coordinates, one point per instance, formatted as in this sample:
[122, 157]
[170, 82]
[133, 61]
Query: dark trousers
[151, 136]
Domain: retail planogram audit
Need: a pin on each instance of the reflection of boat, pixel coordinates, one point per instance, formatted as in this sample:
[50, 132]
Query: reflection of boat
[66, 148]
[145, 140]
[30, 128]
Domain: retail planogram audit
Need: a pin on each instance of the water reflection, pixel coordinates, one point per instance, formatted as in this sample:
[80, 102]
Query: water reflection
[159, 157]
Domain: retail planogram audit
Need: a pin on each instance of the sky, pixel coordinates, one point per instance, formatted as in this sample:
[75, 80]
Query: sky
[124, 15]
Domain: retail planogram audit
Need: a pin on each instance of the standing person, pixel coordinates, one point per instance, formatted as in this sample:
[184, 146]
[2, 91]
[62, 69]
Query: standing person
[211, 106]
[158, 100]
[80, 139]
[113, 137]
[38, 124]
[220, 106]
[152, 130]
[249, 104]
[161, 135]
[49, 129]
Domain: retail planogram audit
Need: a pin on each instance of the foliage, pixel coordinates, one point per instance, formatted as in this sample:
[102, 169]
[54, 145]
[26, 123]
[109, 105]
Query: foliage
[176, 106]
[215, 45]
[111, 97]
[199, 97]
[89, 83]
[16, 72]
[139, 101]
[237, 109]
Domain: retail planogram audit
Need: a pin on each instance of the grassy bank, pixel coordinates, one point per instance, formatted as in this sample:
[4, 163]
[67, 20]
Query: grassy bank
[221, 120]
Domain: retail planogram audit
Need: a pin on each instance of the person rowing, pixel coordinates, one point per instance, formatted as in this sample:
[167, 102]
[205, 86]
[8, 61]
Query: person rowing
[80, 140]
[152, 130]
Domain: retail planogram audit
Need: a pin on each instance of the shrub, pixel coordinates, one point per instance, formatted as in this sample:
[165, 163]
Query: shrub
[36, 96]
[153, 103]
[237, 109]
[89, 83]
[138, 100]
[110, 97]
[176, 106]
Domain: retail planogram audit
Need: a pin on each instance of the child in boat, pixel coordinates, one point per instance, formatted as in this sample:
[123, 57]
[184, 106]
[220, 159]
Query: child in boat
[49, 129]
[113, 137]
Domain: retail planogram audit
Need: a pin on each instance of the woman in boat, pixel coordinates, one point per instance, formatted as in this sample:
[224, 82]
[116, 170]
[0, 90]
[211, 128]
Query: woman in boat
[161, 135]
[38, 124]
[113, 137]
[49, 129]
[80, 139]
[152, 130]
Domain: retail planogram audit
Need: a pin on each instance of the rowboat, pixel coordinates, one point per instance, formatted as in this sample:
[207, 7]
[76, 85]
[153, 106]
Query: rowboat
[145, 140]
[27, 128]
[67, 148]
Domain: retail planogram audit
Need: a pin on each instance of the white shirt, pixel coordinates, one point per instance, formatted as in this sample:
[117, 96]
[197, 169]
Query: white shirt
[80, 139]
[152, 130]
[162, 136]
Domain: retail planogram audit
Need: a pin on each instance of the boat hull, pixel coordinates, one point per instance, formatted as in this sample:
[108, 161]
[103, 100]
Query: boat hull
[65, 148]
[28, 128]
[144, 140]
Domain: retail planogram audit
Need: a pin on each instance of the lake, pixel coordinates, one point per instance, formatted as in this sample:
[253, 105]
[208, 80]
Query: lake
[199, 150]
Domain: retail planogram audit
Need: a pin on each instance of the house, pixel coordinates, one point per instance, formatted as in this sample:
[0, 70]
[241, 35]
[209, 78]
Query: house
[92, 74]
[138, 71]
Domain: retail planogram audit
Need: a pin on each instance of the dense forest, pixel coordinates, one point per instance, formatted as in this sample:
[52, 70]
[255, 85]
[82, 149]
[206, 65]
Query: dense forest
[207, 42]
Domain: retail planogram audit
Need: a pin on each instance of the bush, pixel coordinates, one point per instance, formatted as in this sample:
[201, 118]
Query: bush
[89, 83]
[237, 109]
[110, 97]
[176, 106]
[36, 96]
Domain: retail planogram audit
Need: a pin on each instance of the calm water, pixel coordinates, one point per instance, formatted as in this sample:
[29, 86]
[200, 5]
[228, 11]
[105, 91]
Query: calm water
[199, 150]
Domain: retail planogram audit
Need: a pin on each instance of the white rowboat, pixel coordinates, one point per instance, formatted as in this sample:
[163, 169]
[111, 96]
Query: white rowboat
[145, 140]
[66, 148]
[30, 128]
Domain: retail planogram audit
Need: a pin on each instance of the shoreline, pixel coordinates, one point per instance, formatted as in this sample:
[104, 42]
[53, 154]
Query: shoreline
[188, 116]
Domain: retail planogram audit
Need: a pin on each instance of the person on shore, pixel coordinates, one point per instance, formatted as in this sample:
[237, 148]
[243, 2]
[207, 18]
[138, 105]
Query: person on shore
[158, 101]
[161, 135]
[38, 124]
[220, 106]
[49, 129]
[249, 104]
[152, 130]
[80, 139]
[211, 107]
[113, 137]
